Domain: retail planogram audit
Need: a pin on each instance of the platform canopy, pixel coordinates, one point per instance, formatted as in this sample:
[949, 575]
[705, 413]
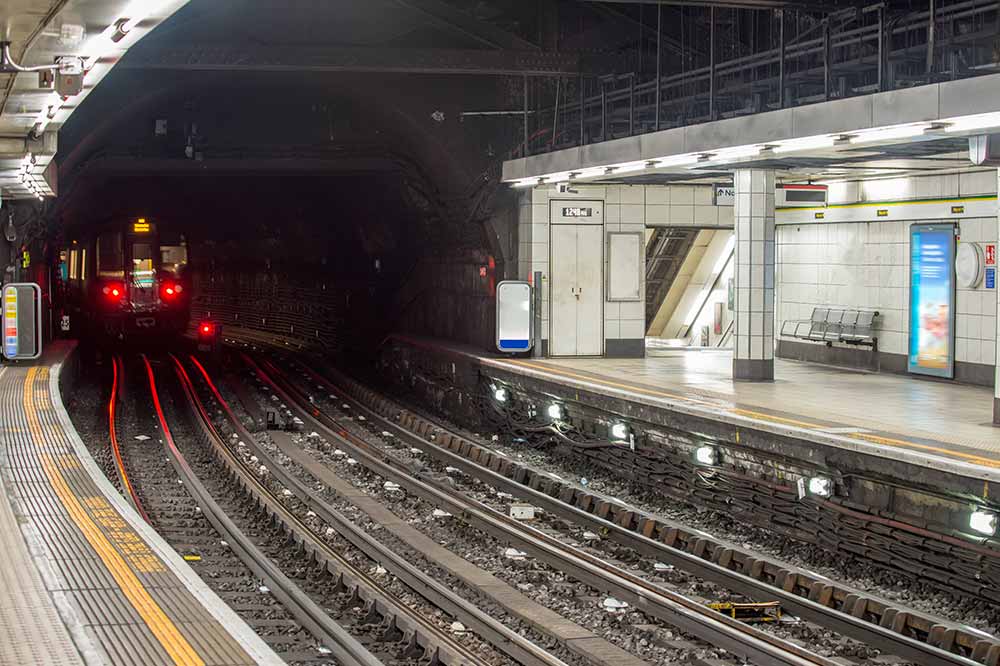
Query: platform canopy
[98, 33]
[898, 133]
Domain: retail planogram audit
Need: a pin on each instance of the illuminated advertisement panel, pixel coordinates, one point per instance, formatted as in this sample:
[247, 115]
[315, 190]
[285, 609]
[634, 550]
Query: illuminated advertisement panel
[932, 300]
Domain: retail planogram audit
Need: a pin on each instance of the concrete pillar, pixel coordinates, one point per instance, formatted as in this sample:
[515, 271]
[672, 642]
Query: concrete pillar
[753, 342]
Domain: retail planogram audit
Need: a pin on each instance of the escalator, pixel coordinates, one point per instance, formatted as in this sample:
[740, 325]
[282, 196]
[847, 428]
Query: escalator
[666, 251]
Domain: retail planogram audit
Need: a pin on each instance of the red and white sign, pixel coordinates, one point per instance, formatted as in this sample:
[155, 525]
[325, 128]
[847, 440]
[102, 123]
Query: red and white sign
[991, 254]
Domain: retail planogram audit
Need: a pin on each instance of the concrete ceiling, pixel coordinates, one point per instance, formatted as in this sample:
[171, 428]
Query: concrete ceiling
[38, 32]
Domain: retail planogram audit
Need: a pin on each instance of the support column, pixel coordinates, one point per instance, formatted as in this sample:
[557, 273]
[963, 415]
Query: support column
[753, 341]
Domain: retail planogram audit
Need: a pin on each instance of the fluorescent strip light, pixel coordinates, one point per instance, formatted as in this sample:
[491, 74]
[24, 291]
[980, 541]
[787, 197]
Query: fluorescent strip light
[973, 123]
[675, 160]
[889, 133]
[805, 143]
[629, 167]
[526, 182]
[592, 172]
[739, 152]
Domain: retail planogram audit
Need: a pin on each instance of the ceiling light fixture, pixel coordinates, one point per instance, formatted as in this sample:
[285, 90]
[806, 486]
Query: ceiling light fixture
[805, 143]
[888, 133]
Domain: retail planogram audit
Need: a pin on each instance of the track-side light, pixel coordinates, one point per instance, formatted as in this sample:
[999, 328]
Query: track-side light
[555, 411]
[821, 486]
[619, 431]
[706, 455]
[500, 394]
[984, 522]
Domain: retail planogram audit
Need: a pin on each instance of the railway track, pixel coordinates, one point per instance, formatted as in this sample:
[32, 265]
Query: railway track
[716, 629]
[169, 507]
[901, 631]
[414, 628]
[341, 644]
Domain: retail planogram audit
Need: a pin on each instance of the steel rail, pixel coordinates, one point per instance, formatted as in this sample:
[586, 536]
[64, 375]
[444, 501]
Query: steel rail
[118, 369]
[446, 650]
[519, 648]
[675, 609]
[892, 630]
[347, 649]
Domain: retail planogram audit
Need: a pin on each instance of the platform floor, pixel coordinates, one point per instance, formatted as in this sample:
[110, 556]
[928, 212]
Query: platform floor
[927, 422]
[84, 580]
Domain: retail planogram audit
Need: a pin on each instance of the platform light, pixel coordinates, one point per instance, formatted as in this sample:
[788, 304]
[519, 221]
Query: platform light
[619, 431]
[973, 123]
[555, 411]
[500, 394]
[629, 167]
[888, 133]
[821, 486]
[984, 522]
[706, 455]
[805, 143]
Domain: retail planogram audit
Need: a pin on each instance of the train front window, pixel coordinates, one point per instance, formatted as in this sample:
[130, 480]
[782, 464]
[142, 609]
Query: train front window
[110, 263]
[143, 268]
[173, 259]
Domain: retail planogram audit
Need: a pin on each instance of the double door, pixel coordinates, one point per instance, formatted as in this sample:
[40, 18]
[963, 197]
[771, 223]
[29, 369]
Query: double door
[576, 242]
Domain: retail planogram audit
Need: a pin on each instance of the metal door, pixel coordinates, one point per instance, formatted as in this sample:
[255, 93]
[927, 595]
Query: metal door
[576, 324]
[562, 291]
[589, 290]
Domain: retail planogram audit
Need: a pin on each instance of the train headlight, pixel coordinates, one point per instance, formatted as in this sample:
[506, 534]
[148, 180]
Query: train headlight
[984, 522]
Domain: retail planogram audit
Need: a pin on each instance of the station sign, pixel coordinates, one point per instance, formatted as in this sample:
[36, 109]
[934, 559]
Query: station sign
[991, 254]
[22, 321]
[514, 314]
[725, 195]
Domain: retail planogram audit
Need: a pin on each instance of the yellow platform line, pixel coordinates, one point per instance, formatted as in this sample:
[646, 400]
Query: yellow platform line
[165, 631]
[877, 439]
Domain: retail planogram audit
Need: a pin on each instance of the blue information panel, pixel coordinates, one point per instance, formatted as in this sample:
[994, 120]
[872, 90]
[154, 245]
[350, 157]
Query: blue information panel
[932, 300]
[991, 278]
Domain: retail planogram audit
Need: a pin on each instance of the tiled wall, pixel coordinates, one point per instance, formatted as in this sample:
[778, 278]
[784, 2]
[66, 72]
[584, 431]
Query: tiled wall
[628, 208]
[867, 265]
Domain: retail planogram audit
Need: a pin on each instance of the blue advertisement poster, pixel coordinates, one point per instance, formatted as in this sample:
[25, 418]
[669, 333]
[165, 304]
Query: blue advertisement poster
[932, 300]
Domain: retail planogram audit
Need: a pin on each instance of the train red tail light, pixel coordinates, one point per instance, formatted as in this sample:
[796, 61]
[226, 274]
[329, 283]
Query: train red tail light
[171, 290]
[206, 329]
[113, 291]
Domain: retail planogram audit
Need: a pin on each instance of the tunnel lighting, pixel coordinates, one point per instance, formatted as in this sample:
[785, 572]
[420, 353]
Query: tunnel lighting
[555, 411]
[805, 143]
[821, 486]
[888, 133]
[500, 394]
[984, 522]
[619, 431]
[706, 455]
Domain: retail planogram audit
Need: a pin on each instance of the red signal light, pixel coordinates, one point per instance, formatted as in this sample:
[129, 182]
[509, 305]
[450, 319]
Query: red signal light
[206, 329]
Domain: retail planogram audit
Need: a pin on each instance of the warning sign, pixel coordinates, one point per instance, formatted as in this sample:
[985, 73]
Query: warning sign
[991, 254]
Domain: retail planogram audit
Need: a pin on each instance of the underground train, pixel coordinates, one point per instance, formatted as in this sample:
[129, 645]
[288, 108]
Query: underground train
[126, 279]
